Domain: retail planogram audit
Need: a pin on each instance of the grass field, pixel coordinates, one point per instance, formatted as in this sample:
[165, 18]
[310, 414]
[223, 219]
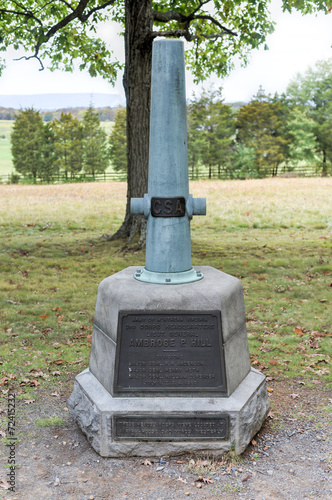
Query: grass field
[274, 235]
[6, 165]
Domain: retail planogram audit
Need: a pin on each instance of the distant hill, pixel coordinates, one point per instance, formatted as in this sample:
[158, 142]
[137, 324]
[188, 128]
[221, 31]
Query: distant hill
[106, 114]
[236, 105]
[56, 101]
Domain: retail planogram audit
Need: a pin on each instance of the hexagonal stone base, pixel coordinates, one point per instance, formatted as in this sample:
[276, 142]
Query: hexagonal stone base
[145, 426]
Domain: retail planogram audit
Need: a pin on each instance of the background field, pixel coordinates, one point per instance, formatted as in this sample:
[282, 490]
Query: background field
[273, 234]
[6, 166]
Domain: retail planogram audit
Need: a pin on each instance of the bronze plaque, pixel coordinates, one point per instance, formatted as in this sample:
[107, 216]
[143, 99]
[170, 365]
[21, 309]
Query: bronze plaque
[179, 351]
[168, 207]
[172, 428]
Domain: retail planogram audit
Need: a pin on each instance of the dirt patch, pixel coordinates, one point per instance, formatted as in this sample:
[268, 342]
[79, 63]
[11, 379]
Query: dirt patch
[290, 458]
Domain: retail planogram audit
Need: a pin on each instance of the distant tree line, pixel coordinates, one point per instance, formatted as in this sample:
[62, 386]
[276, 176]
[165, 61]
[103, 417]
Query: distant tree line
[7, 113]
[65, 146]
[268, 135]
[105, 114]
[262, 137]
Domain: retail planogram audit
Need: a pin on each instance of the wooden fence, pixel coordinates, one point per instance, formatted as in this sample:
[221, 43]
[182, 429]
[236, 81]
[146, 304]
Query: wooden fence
[202, 173]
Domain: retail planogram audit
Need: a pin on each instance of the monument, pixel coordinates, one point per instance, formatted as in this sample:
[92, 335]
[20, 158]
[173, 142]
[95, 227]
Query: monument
[169, 368]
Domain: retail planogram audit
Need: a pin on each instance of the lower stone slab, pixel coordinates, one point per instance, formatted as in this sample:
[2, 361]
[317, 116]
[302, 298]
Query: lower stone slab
[145, 426]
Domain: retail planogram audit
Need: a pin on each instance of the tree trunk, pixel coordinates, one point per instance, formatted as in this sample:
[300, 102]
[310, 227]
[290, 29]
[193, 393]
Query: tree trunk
[324, 169]
[137, 85]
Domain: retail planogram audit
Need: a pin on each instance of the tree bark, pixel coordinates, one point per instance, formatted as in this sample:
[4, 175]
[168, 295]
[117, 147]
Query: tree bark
[137, 85]
[324, 169]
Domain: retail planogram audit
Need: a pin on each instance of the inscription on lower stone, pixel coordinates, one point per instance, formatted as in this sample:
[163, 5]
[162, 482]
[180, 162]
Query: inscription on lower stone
[174, 351]
[171, 428]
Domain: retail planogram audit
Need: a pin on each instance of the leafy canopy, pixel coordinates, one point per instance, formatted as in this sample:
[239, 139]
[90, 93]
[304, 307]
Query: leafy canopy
[63, 31]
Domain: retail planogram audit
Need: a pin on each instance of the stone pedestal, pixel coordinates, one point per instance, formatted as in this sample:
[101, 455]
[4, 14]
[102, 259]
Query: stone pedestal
[169, 369]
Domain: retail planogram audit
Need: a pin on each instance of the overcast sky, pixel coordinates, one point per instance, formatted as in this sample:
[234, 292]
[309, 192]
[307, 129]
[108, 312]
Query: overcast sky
[298, 42]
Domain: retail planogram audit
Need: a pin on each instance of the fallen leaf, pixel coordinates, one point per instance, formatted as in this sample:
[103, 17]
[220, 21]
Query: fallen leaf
[299, 331]
[246, 479]
[34, 383]
[29, 401]
[295, 396]
[23, 382]
[55, 394]
[253, 442]
[207, 480]
[147, 462]
[58, 361]
[56, 373]
[44, 315]
[4, 380]
[3, 434]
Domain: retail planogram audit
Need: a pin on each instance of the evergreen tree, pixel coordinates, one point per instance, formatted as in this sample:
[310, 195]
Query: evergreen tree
[221, 136]
[196, 116]
[118, 142]
[27, 139]
[68, 144]
[211, 132]
[95, 151]
[259, 126]
[48, 164]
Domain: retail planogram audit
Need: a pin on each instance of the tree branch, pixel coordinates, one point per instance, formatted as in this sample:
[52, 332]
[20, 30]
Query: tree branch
[171, 15]
[34, 56]
[175, 33]
[100, 7]
[27, 13]
[187, 35]
[217, 23]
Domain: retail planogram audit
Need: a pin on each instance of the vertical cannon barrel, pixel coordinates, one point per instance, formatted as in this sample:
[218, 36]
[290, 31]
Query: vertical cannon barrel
[168, 205]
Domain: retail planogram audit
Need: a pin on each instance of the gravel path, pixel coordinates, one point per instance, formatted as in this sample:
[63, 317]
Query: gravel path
[291, 458]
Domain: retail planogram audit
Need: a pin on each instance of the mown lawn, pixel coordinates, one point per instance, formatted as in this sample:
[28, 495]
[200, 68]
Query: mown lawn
[274, 235]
